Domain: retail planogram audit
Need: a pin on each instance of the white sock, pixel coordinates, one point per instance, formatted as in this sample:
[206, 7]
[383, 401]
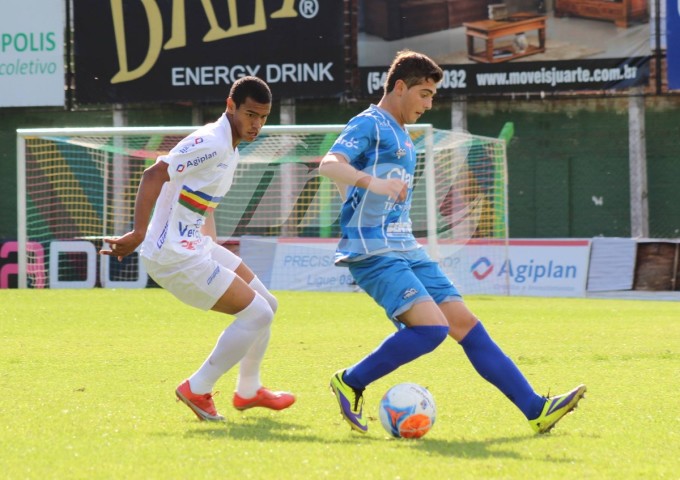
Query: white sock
[249, 370]
[259, 287]
[250, 324]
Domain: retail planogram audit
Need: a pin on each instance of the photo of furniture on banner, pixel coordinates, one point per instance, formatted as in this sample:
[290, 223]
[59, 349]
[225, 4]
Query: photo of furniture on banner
[456, 32]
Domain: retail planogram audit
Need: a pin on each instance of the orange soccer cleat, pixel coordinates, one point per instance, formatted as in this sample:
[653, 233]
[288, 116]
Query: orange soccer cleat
[202, 405]
[265, 398]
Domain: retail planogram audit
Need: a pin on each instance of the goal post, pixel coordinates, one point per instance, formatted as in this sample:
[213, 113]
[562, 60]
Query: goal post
[78, 185]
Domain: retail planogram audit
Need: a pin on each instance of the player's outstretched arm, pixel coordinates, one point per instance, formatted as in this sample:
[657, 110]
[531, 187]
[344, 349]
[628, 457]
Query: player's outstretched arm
[149, 188]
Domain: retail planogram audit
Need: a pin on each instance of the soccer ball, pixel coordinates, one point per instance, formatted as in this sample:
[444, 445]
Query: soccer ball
[407, 410]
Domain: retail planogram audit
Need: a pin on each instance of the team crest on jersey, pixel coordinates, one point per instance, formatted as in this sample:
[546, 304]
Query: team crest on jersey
[409, 293]
[401, 152]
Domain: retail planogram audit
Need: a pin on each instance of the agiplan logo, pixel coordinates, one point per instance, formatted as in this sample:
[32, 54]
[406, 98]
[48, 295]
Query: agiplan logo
[482, 268]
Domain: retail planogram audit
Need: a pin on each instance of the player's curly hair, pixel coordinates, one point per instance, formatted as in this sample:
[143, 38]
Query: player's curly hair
[250, 87]
[412, 68]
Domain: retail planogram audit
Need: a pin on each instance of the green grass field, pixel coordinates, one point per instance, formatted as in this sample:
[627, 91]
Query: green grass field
[88, 379]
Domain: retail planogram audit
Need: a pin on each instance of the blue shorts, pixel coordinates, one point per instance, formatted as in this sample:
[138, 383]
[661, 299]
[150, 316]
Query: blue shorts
[399, 280]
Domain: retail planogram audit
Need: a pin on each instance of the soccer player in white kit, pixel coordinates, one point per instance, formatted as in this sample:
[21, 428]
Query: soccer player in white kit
[180, 253]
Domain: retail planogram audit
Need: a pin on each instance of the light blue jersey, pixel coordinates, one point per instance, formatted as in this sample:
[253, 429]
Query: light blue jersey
[372, 224]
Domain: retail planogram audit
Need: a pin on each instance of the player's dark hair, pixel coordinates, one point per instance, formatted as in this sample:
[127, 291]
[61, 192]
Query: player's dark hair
[412, 68]
[250, 87]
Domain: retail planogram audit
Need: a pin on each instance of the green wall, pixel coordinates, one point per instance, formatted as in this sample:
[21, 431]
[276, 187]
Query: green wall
[567, 164]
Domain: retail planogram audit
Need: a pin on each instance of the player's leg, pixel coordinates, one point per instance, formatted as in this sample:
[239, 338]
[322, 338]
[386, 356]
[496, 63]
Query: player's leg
[421, 325]
[253, 316]
[485, 355]
[207, 284]
[249, 390]
[497, 368]
[423, 328]
[489, 360]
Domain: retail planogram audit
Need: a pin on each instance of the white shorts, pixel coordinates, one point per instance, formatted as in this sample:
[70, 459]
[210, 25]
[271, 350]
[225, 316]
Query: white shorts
[199, 282]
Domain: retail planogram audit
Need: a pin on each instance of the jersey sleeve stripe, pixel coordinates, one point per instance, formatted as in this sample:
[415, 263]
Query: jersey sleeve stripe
[198, 202]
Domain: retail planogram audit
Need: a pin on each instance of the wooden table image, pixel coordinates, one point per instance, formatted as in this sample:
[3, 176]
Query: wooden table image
[491, 30]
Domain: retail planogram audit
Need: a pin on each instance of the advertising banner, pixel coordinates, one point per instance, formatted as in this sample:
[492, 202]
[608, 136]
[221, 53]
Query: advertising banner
[486, 47]
[554, 268]
[173, 50]
[673, 43]
[550, 268]
[32, 53]
[296, 264]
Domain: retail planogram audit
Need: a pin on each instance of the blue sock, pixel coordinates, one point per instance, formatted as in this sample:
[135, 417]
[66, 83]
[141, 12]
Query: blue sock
[398, 349]
[497, 368]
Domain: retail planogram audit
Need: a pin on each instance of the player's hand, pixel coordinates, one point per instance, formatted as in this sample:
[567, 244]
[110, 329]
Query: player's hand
[122, 246]
[394, 188]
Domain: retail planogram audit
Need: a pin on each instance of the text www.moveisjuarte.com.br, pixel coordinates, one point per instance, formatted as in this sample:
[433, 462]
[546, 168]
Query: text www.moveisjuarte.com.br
[554, 76]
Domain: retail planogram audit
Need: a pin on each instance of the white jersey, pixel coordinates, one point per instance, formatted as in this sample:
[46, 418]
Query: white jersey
[201, 169]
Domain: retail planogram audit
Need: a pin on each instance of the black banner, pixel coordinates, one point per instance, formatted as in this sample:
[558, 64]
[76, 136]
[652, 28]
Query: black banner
[480, 79]
[173, 50]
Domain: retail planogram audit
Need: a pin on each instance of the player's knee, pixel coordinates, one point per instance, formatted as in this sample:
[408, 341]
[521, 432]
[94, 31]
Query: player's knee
[257, 315]
[432, 335]
[259, 287]
[273, 303]
[271, 300]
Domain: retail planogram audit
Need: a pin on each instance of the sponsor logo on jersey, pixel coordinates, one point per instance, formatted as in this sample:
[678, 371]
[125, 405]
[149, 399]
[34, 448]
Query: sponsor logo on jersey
[349, 143]
[189, 244]
[397, 228]
[191, 145]
[398, 172]
[189, 231]
[195, 162]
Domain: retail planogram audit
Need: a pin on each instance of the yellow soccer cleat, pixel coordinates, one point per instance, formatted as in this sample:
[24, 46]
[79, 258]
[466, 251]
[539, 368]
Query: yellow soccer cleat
[555, 408]
[351, 402]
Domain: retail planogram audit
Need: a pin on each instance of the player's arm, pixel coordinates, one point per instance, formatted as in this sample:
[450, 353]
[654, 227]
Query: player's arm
[150, 187]
[337, 168]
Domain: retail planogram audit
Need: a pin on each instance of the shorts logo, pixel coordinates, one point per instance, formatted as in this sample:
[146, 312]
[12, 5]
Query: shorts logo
[162, 237]
[214, 274]
[409, 293]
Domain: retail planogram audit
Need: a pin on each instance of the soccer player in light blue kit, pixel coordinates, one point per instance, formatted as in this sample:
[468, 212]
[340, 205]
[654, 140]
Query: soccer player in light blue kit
[373, 162]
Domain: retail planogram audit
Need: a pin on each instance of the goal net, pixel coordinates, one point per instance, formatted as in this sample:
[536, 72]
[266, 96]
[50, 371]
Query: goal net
[77, 186]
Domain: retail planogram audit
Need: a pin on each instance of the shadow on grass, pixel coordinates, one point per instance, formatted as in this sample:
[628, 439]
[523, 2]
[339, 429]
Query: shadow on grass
[266, 429]
[483, 448]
